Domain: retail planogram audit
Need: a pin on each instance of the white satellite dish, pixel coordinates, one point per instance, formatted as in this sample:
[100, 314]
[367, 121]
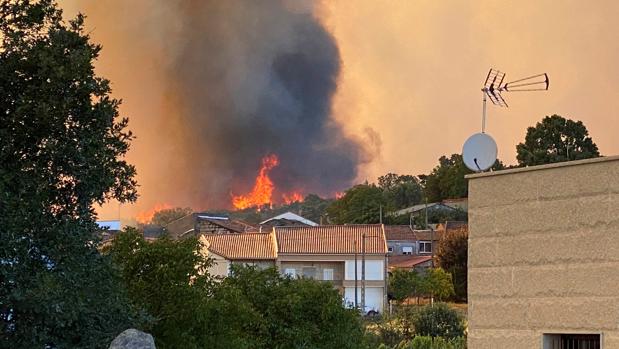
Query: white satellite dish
[479, 152]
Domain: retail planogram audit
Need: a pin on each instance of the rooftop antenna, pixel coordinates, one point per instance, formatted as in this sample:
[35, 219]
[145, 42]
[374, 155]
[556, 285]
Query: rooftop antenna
[479, 152]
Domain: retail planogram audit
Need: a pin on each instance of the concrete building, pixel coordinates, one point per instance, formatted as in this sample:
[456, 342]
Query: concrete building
[327, 252]
[544, 256]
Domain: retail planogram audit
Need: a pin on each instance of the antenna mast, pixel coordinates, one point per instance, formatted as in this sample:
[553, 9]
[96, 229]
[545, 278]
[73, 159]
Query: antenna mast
[494, 86]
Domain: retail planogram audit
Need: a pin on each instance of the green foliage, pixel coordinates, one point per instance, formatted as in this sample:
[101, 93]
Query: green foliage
[168, 279]
[556, 139]
[404, 284]
[437, 283]
[446, 181]
[452, 256]
[400, 191]
[62, 145]
[163, 217]
[359, 205]
[438, 320]
[252, 308]
[425, 342]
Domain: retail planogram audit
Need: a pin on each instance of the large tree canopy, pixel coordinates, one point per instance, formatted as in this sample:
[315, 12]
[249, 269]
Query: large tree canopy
[61, 150]
[556, 139]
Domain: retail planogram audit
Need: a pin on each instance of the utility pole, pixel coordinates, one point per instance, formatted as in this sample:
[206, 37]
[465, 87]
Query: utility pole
[363, 274]
[356, 297]
[381, 214]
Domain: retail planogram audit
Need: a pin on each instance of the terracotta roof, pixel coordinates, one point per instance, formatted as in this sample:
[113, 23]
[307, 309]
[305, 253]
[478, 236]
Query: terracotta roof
[426, 235]
[399, 233]
[407, 261]
[246, 246]
[330, 239]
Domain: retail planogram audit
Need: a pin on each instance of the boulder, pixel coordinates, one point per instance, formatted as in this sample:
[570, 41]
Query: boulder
[133, 339]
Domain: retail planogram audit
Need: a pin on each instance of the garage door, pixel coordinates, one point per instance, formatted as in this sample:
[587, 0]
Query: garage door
[373, 298]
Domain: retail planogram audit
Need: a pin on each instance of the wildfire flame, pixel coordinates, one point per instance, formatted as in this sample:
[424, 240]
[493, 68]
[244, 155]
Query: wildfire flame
[144, 217]
[295, 196]
[263, 188]
[339, 195]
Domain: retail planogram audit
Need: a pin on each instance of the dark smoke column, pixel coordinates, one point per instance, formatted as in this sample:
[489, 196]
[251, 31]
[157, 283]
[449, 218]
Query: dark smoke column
[252, 78]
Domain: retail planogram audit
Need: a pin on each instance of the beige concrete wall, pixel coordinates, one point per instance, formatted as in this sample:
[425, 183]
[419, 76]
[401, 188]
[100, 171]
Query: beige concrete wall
[544, 254]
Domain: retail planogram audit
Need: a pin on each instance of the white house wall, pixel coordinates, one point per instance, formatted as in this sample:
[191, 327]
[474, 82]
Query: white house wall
[374, 270]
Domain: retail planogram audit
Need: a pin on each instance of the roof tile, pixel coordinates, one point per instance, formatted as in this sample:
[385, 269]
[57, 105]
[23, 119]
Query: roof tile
[331, 239]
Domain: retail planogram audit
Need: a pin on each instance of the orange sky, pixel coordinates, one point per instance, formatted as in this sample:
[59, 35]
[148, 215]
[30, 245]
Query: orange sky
[411, 72]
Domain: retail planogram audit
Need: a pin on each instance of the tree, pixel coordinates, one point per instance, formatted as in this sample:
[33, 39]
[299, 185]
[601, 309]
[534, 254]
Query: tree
[169, 280]
[163, 217]
[359, 205]
[62, 145]
[446, 181]
[400, 191]
[556, 139]
[452, 256]
[438, 320]
[437, 283]
[404, 284]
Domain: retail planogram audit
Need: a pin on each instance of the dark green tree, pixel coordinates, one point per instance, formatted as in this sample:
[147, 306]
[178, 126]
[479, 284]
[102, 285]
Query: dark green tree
[446, 181]
[556, 139]
[400, 191]
[359, 205]
[62, 145]
[169, 279]
[163, 217]
[314, 207]
[452, 255]
[404, 284]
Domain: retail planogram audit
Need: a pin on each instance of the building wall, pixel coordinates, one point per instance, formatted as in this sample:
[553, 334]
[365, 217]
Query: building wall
[544, 254]
[398, 247]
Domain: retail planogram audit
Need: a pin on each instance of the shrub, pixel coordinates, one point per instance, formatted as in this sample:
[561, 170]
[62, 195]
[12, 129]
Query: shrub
[426, 342]
[438, 321]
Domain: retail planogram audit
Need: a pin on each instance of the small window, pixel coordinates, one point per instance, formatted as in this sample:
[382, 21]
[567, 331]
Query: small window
[390, 249]
[571, 341]
[309, 272]
[290, 272]
[327, 274]
[407, 250]
[425, 247]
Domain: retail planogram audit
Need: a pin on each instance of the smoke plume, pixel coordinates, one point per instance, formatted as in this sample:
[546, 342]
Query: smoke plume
[251, 79]
[236, 81]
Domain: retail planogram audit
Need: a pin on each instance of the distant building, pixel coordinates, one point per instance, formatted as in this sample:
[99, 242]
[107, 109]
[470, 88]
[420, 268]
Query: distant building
[327, 252]
[287, 219]
[257, 249]
[409, 248]
[109, 228]
[195, 224]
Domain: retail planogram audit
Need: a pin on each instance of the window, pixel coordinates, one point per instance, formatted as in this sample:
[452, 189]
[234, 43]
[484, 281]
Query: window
[309, 272]
[571, 341]
[390, 249]
[425, 247]
[290, 272]
[407, 250]
[327, 274]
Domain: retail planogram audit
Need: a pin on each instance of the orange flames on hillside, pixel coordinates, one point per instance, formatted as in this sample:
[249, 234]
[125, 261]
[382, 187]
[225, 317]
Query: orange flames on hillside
[262, 193]
[144, 217]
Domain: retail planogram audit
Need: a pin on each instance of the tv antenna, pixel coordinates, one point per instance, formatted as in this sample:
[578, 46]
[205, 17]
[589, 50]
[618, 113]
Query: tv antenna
[479, 152]
[494, 86]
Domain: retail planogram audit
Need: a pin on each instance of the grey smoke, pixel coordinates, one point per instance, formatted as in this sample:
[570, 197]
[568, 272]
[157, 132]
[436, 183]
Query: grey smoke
[252, 78]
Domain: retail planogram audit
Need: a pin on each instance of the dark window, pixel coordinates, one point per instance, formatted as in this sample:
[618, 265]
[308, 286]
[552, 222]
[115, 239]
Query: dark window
[572, 341]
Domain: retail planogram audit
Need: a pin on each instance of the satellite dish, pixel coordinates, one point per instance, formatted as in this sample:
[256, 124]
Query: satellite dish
[479, 152]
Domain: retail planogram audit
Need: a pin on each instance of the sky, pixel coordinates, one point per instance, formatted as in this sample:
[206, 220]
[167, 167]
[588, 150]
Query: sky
[410, 75]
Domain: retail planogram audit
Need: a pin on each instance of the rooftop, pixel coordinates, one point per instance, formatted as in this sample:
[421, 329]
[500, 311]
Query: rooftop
[331, 239]
[246, 246]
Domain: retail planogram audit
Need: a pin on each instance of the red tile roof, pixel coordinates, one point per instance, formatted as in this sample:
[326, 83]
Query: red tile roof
[246, 246]
[331, 239]
[399, 233]
[407, 261]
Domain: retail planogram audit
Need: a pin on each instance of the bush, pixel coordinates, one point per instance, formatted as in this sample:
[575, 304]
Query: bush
[426, 342]
[438, 321]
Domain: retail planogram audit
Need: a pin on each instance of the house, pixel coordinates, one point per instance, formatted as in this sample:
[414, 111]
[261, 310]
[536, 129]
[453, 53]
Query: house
[328, 253]
[257, 249]
[409, 248]
[286, 219]
[543, 264]
[204, 223]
